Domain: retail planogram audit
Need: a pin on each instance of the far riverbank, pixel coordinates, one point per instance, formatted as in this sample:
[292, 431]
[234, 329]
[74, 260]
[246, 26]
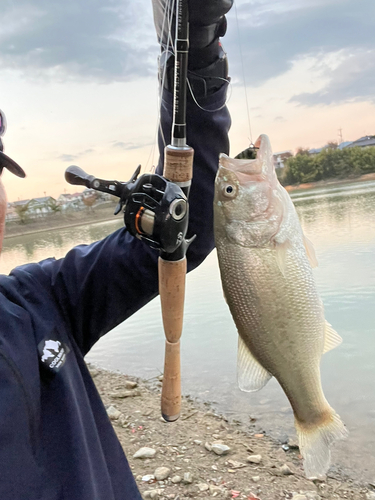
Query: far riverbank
[59, 220]
[104, 211]
[330, 182]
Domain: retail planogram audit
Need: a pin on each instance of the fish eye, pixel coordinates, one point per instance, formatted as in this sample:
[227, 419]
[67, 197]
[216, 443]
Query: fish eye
[229, 191]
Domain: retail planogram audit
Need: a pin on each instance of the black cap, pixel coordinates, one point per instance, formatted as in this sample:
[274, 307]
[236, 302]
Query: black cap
[5, 161]
[3, 123]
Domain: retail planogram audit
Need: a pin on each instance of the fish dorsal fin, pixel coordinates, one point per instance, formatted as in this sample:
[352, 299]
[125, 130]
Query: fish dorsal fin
[331, 338]
[310, 250]
[280, 252]
[251, 376]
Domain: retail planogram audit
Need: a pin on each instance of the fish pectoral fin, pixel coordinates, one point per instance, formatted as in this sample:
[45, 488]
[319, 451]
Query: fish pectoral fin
[280, 252]
[331, 338]
[251, 376]
[310, 251]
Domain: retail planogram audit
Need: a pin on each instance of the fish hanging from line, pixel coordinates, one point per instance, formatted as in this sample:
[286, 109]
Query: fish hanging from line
[266, 271]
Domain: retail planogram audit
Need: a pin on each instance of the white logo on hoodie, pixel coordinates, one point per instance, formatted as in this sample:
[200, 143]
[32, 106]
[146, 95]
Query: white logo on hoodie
[53, 354]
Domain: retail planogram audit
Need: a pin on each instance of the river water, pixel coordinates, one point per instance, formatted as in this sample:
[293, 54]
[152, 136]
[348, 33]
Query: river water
[340, 221]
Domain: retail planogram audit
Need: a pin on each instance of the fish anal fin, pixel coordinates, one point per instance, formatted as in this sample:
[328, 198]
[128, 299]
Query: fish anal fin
[331, 338]
[315, 442]
[251, 375]
[310, 251]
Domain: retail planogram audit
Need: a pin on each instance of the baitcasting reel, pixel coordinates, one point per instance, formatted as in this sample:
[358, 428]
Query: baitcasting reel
[155, 209]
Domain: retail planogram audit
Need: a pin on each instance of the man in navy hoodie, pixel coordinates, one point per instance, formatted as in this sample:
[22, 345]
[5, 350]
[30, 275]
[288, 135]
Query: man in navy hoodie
[56, 441]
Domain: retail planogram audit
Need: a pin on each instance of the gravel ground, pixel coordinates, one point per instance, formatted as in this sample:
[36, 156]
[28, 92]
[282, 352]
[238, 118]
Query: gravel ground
[204, 455]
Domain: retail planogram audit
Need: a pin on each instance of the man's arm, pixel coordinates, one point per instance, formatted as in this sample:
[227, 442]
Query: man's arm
[98, 286]
[20, 476]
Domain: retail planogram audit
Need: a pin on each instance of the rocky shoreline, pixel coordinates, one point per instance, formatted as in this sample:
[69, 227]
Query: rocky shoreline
[204, 454]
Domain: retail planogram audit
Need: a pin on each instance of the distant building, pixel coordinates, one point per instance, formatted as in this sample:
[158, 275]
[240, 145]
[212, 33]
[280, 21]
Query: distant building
[63, 198]
[70, 201]
[363, 142]
[315, 151]
[38, 207]
[88, 192]
[344, 144]
[99, 195]
[280, 158]
[20, 203]
[13, 209]
[11, 213]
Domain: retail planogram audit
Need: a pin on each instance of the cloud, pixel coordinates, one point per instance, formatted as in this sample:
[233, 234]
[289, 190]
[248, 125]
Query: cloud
[114, 40]
[78, 39]
[352, 80]
[131, 145]
[67, 158]
[70, 158]
[276, 34]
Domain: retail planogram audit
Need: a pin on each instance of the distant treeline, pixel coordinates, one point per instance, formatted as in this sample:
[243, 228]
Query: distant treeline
[329, 163]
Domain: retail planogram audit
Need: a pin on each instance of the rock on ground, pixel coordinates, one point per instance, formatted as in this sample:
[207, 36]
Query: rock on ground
[145, 453]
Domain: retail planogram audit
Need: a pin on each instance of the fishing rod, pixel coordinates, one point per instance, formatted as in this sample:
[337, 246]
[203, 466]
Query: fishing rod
[178, 168]
[156, 211]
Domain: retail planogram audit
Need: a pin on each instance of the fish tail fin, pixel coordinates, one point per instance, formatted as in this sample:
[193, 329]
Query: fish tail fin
[315, 442]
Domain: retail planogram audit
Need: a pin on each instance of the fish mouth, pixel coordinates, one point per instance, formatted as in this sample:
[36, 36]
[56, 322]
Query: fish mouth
[263, 145]
[240, 167]
[257, 169]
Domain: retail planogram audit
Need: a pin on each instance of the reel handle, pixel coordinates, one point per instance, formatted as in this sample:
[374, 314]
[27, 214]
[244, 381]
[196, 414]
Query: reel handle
[75, 175]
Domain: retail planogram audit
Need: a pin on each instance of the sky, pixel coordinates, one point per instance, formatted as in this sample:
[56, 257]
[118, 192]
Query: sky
[78, 82]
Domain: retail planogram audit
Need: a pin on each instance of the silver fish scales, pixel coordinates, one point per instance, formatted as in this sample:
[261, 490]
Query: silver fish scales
[266, 271]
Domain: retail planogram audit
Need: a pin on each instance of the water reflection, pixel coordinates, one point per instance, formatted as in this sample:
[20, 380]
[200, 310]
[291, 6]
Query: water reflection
[341, 223]
[36, 247]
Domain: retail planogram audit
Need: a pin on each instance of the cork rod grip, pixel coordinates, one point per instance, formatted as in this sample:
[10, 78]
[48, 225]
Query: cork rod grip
[172, 276]
[178, 167]
[178, 164]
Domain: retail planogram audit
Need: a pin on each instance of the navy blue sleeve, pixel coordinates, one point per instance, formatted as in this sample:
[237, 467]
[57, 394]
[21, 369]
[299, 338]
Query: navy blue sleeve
[20, 476]
[100, 285]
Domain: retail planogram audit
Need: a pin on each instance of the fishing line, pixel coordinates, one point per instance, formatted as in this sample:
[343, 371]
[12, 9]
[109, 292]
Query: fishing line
[168, 49]
[243, 70]
[211, 110]
[151, 156]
